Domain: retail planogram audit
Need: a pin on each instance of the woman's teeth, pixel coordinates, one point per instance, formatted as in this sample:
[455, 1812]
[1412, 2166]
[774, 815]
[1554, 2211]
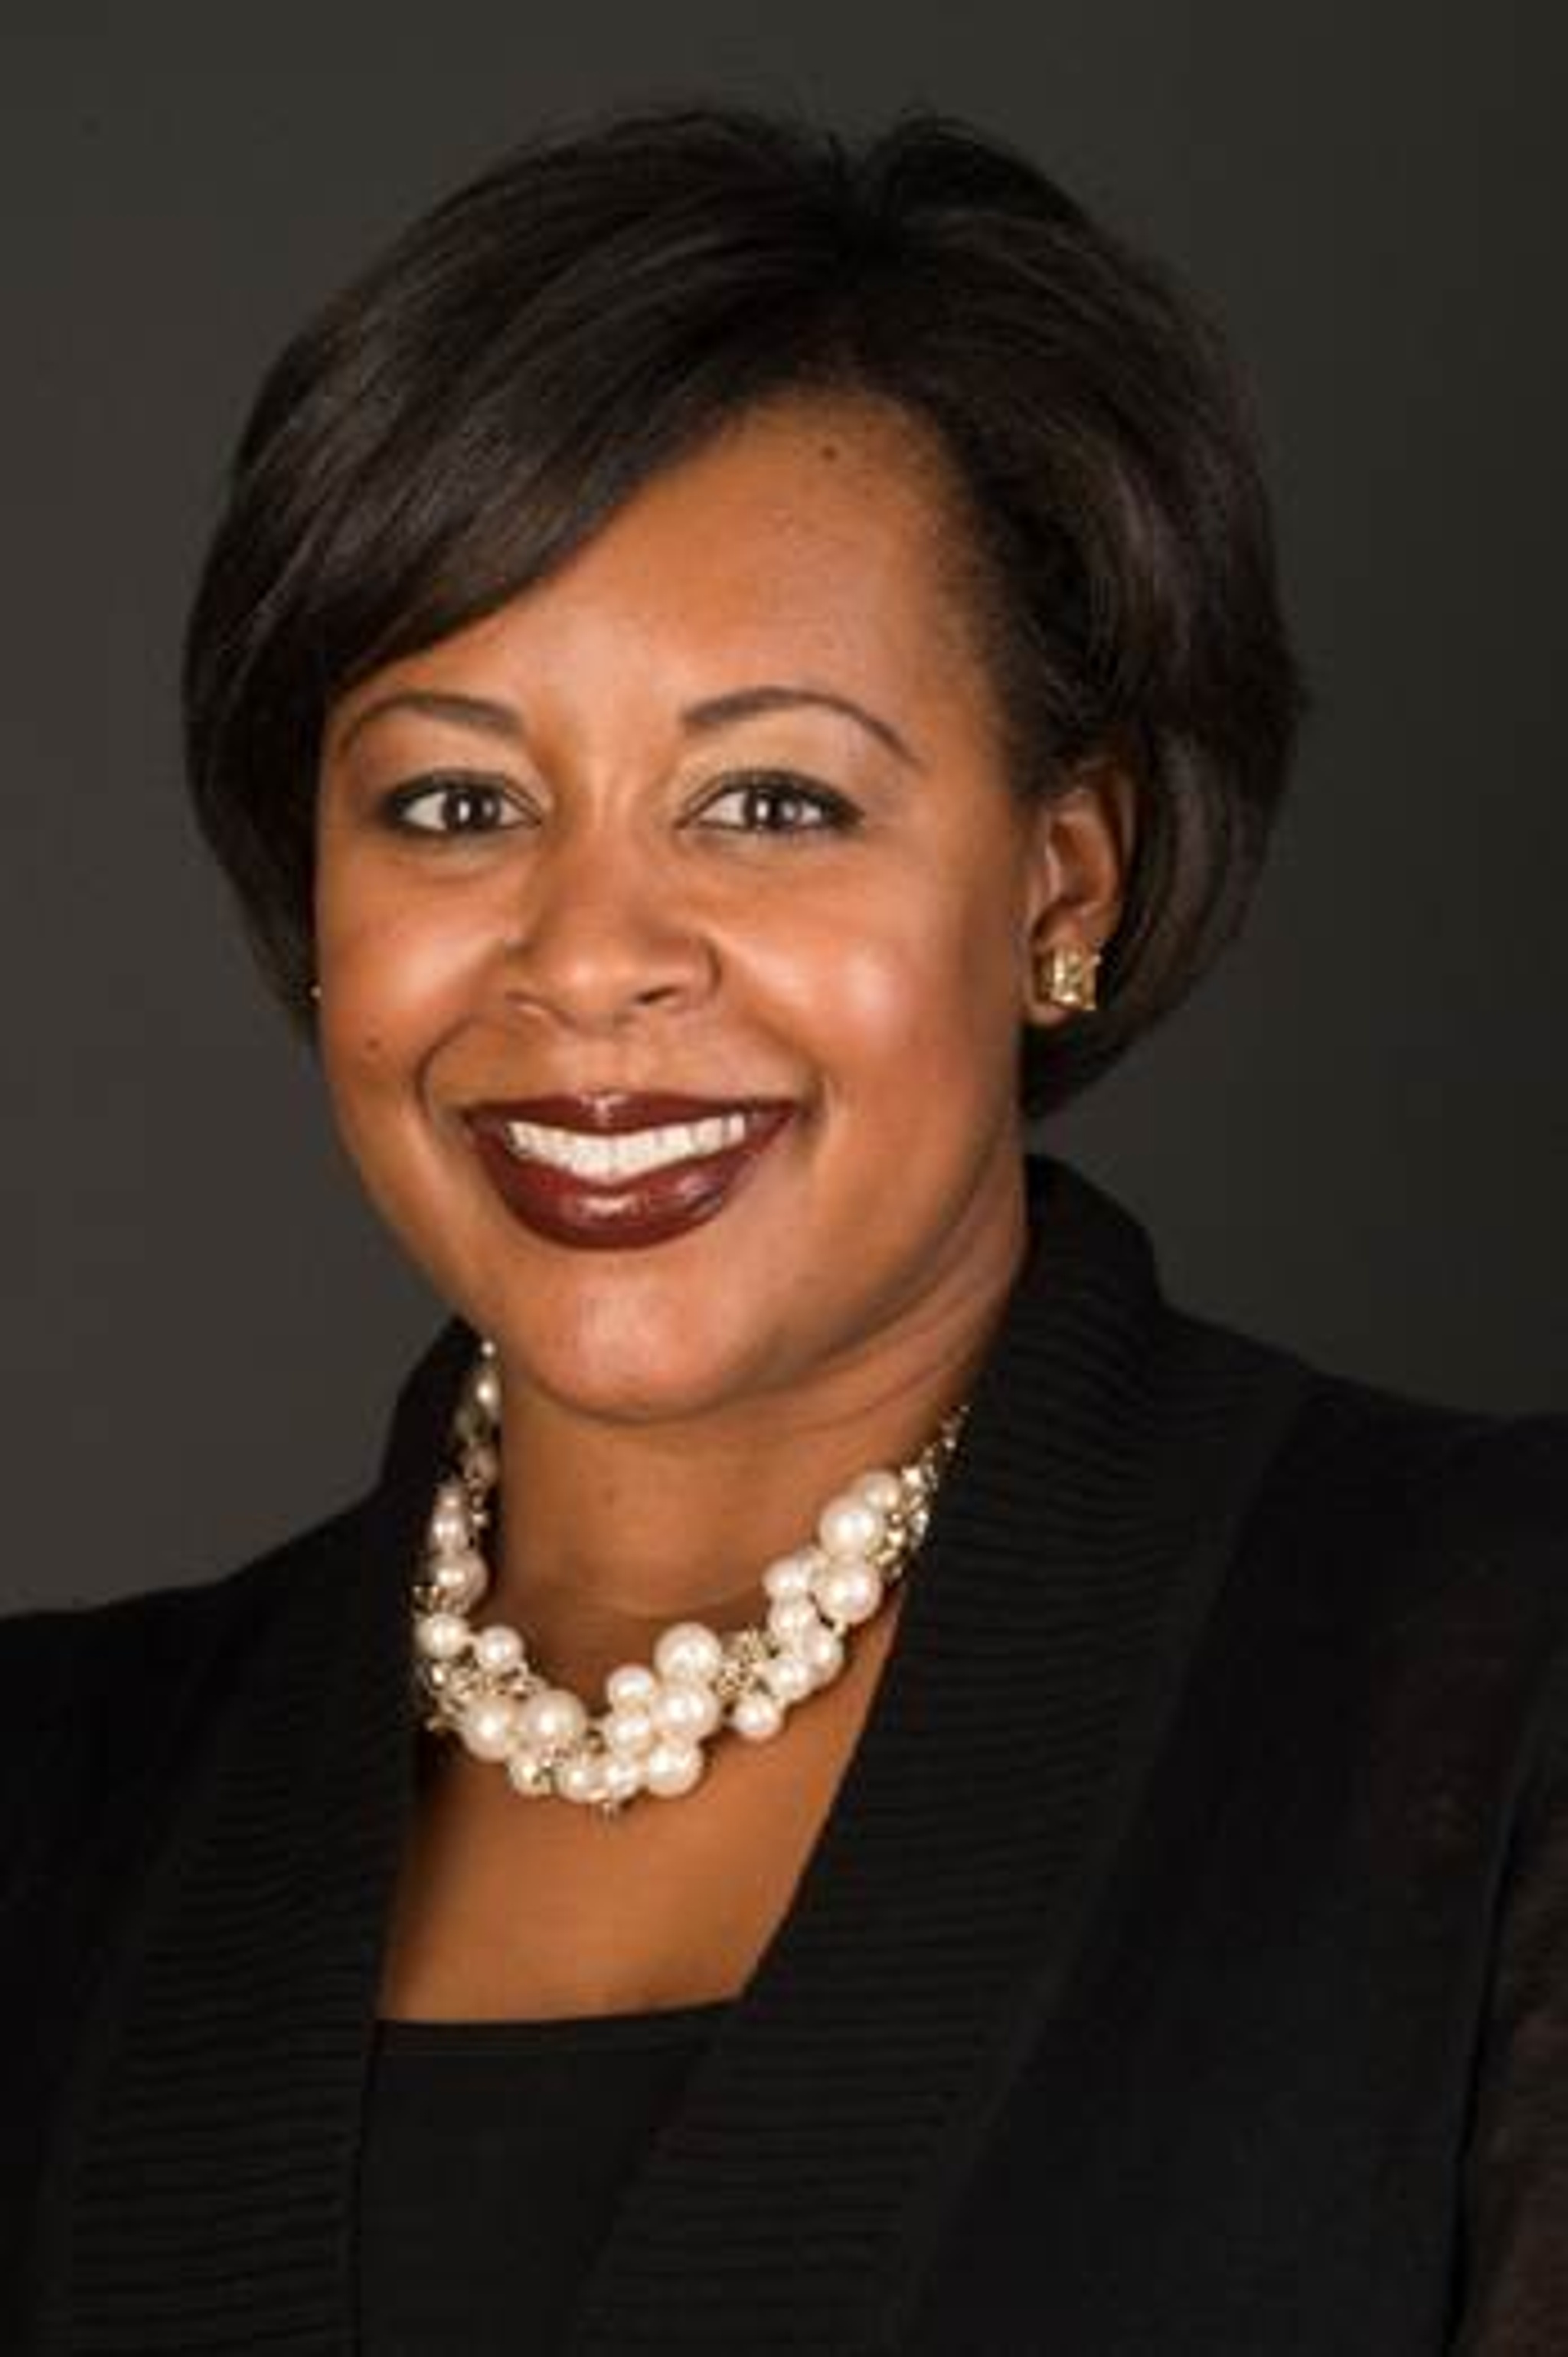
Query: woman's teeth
[627, 1155]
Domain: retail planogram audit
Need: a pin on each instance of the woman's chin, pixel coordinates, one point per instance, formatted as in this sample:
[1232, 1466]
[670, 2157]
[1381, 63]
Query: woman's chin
[639, 1379]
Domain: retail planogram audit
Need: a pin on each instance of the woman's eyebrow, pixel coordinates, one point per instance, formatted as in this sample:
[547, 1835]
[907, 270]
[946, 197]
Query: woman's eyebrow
[713, 712]
[741, 703]
[480, 712]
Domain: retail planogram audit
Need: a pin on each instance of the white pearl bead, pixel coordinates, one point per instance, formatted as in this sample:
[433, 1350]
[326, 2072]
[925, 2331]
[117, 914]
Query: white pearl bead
[792, 1574]
[460, 1580]
[577, 1777]
[671, 1768]
[823, 1654]
[880, 1489]
[485, 1390]
[552, 1718]
[849, 1526]
[849, 1591]
[686, 1710]
[688, 1649]
[622, 1777]
[451, 1531]
[440, 1636]
[468, 1424]
[528, 1771]
[788, 1676]
[489, 1729]
[498, 1649]
[481, 1464]
[757, 1715]
[632, 1682]
[629, 1728]
[789, 1617]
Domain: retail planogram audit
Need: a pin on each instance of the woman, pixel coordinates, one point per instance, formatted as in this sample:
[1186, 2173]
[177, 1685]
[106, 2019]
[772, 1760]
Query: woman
[860, 1780]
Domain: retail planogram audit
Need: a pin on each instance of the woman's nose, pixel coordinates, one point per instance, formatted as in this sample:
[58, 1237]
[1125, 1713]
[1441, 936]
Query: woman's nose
[606, 930]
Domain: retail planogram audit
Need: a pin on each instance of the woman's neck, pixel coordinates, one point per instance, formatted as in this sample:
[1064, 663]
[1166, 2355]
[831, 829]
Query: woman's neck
[625, 1528]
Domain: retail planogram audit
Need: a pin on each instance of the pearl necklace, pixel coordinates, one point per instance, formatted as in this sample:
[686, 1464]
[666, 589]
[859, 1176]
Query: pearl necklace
[480, 1684]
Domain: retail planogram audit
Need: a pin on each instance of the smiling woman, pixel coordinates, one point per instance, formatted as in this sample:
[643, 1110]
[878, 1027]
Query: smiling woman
[981, 1811]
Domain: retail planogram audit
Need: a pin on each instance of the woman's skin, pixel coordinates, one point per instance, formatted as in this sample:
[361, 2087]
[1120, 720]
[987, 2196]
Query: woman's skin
[612, 909]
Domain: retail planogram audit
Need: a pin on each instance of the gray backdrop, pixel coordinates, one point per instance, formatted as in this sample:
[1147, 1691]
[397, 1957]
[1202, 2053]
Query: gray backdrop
[1354, 1141]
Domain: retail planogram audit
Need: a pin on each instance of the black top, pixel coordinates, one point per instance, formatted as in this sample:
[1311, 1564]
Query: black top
[494, 2156]
[1181, 1969]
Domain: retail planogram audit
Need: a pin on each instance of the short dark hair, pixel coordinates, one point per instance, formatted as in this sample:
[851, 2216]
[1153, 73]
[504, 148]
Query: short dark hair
[525, 356]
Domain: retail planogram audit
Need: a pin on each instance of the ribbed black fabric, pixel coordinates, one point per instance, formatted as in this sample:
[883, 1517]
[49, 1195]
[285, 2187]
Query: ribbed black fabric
[1182, 1970]
[495, 2155]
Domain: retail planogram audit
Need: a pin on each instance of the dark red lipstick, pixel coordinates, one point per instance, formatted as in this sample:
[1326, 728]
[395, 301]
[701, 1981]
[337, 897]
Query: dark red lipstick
[627, 1210]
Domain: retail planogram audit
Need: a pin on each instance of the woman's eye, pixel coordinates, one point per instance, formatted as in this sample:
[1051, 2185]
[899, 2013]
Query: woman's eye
[455, 799]
[773, 802]
[765, 802]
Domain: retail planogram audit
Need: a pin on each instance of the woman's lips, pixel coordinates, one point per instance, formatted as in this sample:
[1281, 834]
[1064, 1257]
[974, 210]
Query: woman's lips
[624, 1213]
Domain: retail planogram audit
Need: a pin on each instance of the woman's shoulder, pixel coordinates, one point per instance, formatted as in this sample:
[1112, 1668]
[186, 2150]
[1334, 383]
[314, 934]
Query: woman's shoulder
[1392, 1519]
[1490, 1473]
[103, 1673]
[1351, 1439]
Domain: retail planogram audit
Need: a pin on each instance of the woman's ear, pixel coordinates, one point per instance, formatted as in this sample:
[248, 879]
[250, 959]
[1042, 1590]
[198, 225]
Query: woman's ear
[1079, 858]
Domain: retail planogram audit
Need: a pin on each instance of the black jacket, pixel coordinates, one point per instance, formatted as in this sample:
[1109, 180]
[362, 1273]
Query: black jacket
[1182, 1970]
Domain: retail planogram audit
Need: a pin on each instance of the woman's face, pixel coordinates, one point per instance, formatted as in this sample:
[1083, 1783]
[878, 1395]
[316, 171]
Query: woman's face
[573, 849]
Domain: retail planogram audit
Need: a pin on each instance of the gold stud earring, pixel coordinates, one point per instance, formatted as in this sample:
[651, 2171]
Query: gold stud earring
[1065, 975]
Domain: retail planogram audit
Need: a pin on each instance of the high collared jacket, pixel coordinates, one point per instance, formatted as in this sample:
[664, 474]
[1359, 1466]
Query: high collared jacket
[1181, 1970]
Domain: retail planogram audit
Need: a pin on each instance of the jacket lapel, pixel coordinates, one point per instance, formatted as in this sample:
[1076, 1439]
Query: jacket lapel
[205, 2196]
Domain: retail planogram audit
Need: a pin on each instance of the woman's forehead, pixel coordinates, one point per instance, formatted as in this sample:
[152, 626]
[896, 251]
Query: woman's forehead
[756, 512]
[809, 541]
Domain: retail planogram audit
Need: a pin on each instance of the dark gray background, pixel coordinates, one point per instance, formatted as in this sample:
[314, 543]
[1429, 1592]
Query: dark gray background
[1354, 1141]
